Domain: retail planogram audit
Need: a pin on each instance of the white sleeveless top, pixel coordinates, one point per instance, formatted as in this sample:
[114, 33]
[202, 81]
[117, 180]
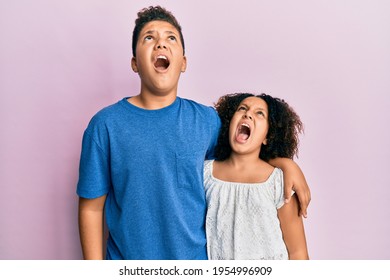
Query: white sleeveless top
[242, 221]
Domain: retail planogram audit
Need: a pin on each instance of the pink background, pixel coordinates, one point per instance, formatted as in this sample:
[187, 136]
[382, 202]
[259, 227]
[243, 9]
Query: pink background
[62, 61]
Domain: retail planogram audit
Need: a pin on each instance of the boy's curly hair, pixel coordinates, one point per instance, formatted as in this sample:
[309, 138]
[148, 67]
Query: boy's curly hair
[284, 126]
[153, 13]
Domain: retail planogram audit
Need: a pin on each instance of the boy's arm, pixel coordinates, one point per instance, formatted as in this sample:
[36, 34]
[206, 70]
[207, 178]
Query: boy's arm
[293, 231]
[294, 180]
[91, 227]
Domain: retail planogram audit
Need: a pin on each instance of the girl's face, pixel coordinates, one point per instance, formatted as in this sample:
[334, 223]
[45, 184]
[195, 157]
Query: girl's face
[249, 126]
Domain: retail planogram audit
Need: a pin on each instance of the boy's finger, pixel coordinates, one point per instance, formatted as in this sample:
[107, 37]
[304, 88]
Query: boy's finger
[303, 212]
[303, 203]
[287, 194]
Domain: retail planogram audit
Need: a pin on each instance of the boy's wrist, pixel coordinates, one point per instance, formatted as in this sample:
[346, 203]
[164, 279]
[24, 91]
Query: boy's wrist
[281, 163]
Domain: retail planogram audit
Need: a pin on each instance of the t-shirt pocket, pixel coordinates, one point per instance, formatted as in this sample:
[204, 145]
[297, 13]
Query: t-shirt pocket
[189, 168]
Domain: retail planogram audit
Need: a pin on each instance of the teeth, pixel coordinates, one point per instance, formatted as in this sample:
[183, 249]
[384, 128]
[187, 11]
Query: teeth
[162, 57]
[244, 124]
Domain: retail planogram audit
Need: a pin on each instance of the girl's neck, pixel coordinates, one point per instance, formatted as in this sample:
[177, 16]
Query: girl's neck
[241, 161]
[243, 169]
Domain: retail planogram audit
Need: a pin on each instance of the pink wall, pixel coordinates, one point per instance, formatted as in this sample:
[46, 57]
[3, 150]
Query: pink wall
[61, 61]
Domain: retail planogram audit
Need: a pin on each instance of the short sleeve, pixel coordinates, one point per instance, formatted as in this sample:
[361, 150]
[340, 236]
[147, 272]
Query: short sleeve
[94, 176]
[215, 126]
[279, 188]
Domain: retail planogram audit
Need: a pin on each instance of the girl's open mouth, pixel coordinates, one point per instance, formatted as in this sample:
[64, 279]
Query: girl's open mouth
[243, 132]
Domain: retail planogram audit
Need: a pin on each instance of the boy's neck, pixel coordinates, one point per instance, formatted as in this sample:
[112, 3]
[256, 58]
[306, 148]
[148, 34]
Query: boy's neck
[152, 101]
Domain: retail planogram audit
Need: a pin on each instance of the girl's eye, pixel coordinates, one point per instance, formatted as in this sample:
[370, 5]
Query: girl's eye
[241, 108]
[261, 114]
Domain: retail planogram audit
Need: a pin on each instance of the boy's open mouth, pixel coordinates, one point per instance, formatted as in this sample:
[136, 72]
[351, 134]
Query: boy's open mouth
[243, 133]
[161, 63]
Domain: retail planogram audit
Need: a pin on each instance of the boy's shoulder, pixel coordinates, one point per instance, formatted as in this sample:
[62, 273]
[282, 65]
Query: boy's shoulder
[198, 106]
[107, 113]
[110, 109]
[207, 114]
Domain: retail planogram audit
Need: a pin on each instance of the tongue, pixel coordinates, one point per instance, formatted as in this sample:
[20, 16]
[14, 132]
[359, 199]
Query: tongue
[242, 137]
[160, 68]
[161, 64]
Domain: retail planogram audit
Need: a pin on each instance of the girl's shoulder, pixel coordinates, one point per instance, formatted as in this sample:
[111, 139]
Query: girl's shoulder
[208, 163]
[208, 168]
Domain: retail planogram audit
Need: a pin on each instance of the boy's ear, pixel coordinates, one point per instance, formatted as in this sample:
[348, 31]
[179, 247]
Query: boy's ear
[134, 65]
[184, 65]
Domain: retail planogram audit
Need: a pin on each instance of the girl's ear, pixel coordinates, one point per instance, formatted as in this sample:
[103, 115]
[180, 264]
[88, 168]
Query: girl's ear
[265, 142]
[134, 65]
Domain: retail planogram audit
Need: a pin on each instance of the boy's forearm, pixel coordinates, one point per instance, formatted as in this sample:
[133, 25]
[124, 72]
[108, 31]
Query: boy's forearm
[91, 234]
[91, 227]
[294, 179]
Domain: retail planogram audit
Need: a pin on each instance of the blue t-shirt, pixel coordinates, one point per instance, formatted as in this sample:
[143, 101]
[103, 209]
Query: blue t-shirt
[150, 165]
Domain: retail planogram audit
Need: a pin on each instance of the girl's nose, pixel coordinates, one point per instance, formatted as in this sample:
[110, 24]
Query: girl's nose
[248, 116]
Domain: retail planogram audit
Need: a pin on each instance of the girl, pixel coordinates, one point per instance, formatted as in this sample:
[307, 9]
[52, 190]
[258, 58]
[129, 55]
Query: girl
[246, 215]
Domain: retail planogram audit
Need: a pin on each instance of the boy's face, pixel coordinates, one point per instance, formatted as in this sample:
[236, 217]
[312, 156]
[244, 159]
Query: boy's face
[159, 58]
[249, 126]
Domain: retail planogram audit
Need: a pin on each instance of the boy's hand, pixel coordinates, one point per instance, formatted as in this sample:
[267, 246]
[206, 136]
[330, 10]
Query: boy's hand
[294, 180]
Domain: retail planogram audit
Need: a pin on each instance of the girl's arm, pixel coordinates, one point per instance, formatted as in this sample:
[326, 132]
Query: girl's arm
[293, 231]
[294, 180]
[91, 227]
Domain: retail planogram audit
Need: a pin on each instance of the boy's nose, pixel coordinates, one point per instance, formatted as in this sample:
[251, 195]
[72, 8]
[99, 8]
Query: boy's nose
[161, 45]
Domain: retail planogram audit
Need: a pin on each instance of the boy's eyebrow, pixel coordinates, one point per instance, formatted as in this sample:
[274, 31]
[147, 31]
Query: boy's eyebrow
[152, 31]
[149, 32]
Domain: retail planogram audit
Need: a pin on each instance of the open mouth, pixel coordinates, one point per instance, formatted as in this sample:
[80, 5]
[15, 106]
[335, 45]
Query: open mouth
[243, 133]
[161, 63]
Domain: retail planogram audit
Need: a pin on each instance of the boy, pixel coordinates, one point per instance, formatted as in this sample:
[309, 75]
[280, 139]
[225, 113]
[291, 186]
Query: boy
[142, 158]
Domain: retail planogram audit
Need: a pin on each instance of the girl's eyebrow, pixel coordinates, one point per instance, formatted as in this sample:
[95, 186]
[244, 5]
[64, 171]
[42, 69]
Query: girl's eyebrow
[256, 108]
[265, 111]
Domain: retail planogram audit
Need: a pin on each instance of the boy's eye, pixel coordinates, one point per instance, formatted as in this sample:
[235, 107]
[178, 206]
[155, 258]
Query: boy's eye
[172, 38]
[148, 38]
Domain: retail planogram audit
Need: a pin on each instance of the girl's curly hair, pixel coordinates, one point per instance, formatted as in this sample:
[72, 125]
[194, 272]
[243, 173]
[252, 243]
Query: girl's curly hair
[284, 126]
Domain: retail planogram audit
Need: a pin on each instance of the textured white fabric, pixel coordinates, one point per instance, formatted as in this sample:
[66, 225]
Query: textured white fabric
[242, 220]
